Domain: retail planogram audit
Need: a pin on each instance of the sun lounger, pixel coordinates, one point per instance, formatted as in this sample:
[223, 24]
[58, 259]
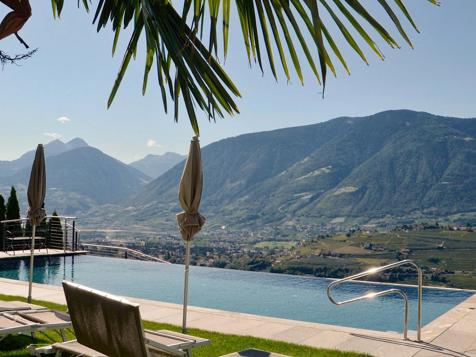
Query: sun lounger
[11, 324]
[30, 321]
[254, 353]
[108, 325]
[47, 319]
[17, 306]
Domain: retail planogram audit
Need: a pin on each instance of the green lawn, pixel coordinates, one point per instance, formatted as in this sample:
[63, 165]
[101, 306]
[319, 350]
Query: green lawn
[220, 343]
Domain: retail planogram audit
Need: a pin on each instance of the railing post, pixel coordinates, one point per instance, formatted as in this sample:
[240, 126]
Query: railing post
[49, 235]
[2, 234]
[65, 235]
[74, 236]
[420, 300]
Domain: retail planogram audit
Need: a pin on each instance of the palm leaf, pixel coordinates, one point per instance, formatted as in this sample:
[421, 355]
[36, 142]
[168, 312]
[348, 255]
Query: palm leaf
[188, 69]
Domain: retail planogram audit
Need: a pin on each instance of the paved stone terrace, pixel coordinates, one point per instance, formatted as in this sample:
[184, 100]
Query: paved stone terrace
[18, 254]
[452, 334]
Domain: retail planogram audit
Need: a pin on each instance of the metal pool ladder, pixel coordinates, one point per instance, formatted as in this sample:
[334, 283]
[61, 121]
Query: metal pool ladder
[385, 292]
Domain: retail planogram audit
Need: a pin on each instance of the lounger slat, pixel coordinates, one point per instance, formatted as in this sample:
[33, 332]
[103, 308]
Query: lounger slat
[75, 348]
[161, 340]
[17, 306]
[6, 322]
[14, 322]
[175, 336]
[45, 317]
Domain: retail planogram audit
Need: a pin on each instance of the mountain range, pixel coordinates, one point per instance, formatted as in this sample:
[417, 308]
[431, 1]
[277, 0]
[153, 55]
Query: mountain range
[53, 148]
[392, 166]
[79, 177]
[156, 165]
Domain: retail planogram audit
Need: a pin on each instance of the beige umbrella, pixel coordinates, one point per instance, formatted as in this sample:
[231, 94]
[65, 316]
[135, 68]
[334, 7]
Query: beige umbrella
[190, 221]
[36, 199]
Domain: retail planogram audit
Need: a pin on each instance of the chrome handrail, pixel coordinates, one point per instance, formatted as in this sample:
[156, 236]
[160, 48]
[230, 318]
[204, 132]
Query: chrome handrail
[385, 292]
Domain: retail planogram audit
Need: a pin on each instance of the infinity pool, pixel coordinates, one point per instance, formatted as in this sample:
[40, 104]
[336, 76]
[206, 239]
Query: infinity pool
[284, 296]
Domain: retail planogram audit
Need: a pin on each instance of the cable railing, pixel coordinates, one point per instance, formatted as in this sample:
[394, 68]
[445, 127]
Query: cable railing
[119, 252]
[55, 232]
[392, 291]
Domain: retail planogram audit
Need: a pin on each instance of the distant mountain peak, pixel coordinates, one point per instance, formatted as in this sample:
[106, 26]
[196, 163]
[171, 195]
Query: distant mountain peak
[165, 154]
[155, 165]
[77, 143]
[55, 141]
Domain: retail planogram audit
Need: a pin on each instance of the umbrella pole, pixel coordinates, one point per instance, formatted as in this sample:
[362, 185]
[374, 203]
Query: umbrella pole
[185, 289]
[33, 233]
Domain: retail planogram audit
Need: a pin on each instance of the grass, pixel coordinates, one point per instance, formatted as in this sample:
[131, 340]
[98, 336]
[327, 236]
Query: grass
[220, 343]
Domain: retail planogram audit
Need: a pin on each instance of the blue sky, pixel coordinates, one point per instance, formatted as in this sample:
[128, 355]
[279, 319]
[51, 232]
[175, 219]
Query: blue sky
[72, 74]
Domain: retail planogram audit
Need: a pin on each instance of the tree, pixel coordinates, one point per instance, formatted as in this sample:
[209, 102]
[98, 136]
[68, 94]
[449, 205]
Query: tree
[13, 208]
[190, 69]
[2, 216]
[13, 212]
[2, 208]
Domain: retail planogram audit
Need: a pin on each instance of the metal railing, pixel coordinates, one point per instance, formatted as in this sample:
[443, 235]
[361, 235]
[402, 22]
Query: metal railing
[59, 232]
[385, 292]
[119, 252]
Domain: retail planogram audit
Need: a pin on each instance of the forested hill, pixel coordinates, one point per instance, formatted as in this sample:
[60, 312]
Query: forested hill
[392, 164]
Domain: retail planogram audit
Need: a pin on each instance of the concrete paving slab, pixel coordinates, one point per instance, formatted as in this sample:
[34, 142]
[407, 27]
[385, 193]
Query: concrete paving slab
[296, 334]
[327, 339]
[267, 329]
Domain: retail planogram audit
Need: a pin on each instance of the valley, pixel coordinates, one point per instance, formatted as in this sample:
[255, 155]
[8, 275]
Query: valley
[446, 254]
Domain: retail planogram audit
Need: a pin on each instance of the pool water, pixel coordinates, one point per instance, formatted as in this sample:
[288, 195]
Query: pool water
[284, 296]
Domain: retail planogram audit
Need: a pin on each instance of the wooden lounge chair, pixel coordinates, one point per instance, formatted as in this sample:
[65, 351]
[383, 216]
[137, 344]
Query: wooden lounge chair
[254, 353]
[17, 306]
[106, 325]
[30, 321]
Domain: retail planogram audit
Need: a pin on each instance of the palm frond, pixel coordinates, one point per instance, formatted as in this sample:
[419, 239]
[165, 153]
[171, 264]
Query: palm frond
[297, 30]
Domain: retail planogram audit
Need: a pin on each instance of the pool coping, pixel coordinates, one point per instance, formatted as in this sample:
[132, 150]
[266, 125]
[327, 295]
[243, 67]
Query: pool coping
[41, 253]
[453, 333]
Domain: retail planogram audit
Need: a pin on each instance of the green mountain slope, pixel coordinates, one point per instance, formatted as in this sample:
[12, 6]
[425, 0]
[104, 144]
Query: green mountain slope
[390, 165]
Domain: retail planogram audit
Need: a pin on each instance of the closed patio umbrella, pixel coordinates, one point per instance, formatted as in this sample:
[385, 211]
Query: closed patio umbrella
[190, 221]
[36, 199]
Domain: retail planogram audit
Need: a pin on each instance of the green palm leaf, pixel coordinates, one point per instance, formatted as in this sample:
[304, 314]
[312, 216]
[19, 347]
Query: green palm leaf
[189, 70]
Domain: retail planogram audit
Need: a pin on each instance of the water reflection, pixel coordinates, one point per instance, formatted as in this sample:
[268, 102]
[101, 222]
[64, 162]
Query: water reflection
[284, 296]
[47, 270]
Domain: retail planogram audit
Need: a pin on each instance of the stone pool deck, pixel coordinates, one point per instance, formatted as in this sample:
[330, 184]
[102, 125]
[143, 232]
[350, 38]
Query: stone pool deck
[452, 334]
[20, 254]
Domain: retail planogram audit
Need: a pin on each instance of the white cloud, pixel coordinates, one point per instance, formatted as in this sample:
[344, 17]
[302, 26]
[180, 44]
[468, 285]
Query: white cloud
[53, 135]
[151, 143]
[63, 120]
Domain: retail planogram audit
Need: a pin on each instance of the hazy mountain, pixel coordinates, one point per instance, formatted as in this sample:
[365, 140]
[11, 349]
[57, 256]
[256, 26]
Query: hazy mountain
[387, 166]
[79, 179]
[54, 147]
[156, 165]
